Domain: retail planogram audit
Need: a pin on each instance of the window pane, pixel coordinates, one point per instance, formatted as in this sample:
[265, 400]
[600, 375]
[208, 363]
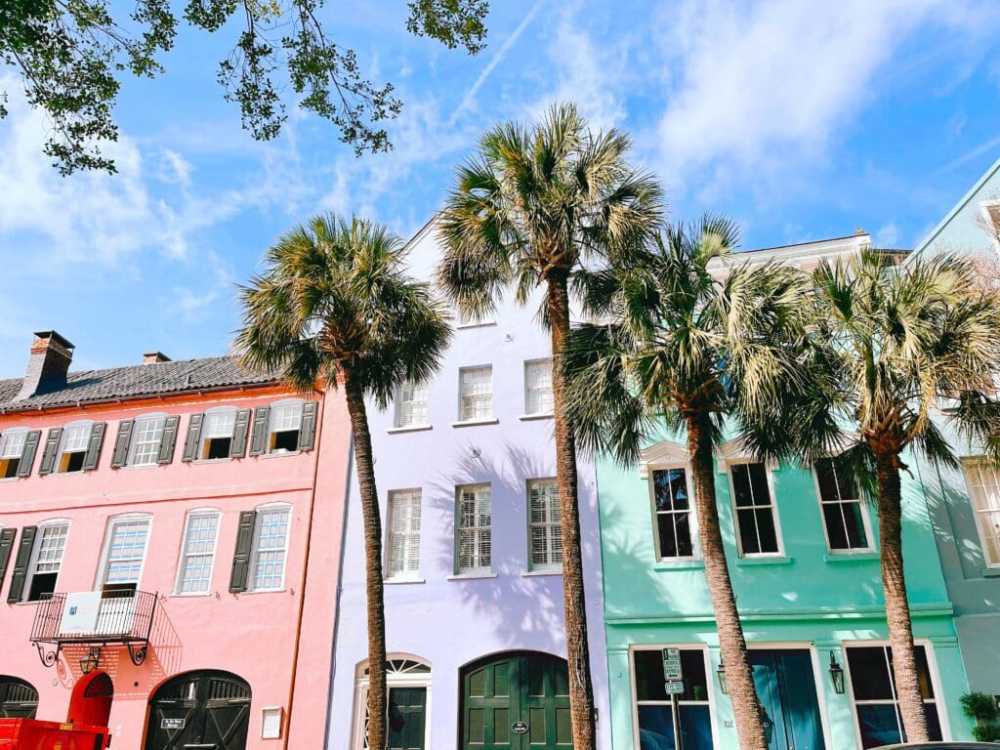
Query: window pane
[12, 443]
[476, 389]
[684, 546]
[856, 535]
[869, 673]
[544, 529]
[404, 532]
[741, 486]
[51, 545]
[474, 528]
[146, 436]
[286, 416]
[411, 405]
[835, 529]
[198, 553]
[984, 489]
[768, 535]
[670, 489]
[746, 520]
[75, 438]
[538, 387]
[933, 722]
[219, 424]
[879, 725]
[649, 675]
[271, 534]
[668, 539]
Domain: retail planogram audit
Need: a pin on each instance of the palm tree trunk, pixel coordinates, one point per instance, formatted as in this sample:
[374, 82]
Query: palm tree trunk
[739, 676]
[377, 694]
[897, 608]
[581, 690]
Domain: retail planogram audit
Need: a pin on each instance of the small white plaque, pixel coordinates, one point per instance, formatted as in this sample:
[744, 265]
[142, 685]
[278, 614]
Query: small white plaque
[271, 720]
[80, 612]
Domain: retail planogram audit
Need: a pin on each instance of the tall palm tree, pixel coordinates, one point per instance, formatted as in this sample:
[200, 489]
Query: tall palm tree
[334, 306]
[894, 345]
[530, 210]
[695, 340]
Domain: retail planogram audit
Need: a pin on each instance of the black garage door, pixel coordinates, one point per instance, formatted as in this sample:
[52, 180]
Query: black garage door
[209, 710]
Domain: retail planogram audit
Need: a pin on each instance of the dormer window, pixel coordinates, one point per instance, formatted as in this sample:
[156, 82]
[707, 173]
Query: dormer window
[11, 450]
[73, 447]
[217, 433]
[284, 427]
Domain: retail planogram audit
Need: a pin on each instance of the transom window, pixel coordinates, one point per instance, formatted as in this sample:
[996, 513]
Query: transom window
[475, 393]
[844, 516]
[672, 510]
[217, 432]
[545, 531]
[144, 448]
[125, 553]
[538, 387]
[269, 547]
[46, 559]
[983, 481]
[403, 552]
[475, 534]
[411, 405]
[874, 690]
[285, 424]
[198, 552]
[11, 449]
[756, 524]
[653, 709]
[73, 446]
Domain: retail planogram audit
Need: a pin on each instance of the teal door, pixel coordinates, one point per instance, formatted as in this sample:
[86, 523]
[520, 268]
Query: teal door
[407, 717]
[787, 690]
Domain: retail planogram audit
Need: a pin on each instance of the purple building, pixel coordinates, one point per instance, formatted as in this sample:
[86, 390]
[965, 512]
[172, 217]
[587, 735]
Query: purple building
[465, 468]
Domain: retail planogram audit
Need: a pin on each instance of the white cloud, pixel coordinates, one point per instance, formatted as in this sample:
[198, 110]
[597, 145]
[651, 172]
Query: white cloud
[887, 235]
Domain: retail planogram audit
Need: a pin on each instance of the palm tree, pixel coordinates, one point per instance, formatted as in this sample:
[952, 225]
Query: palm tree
[334, 306]
[693, 340]
[893, 345]
[533, 207]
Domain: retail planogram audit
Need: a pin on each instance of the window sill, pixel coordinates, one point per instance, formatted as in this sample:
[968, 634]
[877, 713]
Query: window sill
[200, 461]
[199, 595]
[540, 573]
[764, 560]
[137, 467]
[281, 454]
[471, 576]
[850, 557]
[411, 428]
[533, 417]
[260, 591]
[991, 572]
[474, 422]
[402, 581]
[679, 565]
[484, 324]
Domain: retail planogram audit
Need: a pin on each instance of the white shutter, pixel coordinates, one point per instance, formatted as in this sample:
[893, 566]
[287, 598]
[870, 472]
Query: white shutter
[984, 489]
[404, 534]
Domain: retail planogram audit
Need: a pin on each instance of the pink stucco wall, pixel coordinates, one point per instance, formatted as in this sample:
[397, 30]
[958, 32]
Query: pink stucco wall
[254, 635]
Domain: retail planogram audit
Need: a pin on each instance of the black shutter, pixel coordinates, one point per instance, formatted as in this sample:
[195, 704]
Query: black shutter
[241, 557]
[168, 440]
[238, 445]
[6, 544]
[94, 446]
[122, 442]
[48, 464]
[258, 443]
[27, 459]
[193, 439]
[21, 564]
[307, 432]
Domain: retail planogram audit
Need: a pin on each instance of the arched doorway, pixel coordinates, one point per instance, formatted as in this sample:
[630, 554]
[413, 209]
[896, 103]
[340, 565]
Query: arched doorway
[207, 709]
[91, 700]
[408, 679]
[18, 698]
[516, 701]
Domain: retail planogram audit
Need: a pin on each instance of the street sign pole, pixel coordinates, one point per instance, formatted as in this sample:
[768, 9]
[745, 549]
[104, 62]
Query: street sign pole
[673, 675]
[678, 742]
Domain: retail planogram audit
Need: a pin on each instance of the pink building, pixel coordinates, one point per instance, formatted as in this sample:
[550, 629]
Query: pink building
[169, 548]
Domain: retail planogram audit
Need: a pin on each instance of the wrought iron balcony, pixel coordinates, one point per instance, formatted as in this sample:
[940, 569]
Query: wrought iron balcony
[94, 618]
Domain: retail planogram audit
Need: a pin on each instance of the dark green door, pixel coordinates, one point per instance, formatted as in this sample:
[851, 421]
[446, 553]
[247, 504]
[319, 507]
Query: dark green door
[787, 691]
[516, 701]
[208, 710]
[407, 717]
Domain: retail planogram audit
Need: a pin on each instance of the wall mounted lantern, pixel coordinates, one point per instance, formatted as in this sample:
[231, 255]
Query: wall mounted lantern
[721, 674]
[89, 662]
[836, 674]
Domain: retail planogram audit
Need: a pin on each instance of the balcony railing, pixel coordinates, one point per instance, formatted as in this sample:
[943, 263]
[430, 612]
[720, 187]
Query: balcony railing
[94, 618]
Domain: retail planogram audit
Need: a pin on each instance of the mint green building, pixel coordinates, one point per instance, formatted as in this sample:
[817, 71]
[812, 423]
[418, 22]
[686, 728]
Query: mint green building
[803, 557]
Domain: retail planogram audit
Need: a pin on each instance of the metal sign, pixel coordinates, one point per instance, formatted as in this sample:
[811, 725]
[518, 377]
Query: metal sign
[519, 727]
[166, 723]
[674, 687]
[672, 664]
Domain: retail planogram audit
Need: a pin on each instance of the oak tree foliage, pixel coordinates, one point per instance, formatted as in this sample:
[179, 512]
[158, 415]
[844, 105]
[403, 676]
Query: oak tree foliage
[71, 56]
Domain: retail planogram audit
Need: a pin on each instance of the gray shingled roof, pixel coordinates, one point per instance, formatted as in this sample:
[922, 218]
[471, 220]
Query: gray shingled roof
[89, 386]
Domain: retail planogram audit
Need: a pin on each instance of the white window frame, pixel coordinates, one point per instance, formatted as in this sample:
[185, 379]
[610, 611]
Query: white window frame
[481, 570]
[255, 547]
[398, 401]
[183, 555]
[542, 567]
[393, 679]
[404, 575]
[865, 516]
[932, 668]
[692, 512]
[529, 363]
[134, 443]
[772, 505]
[462, 418]
[985, 532]
[634, 686]
[203, 440]
[88, 426]
[36, 548]
[22, 433]
[461, 321]
[102, 570]
[271, 432]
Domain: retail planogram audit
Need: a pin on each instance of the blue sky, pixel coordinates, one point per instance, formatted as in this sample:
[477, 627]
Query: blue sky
[800, 120]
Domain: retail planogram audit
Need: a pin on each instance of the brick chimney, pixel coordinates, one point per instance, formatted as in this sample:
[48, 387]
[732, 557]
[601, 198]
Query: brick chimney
[48, 364]
[154, 358]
